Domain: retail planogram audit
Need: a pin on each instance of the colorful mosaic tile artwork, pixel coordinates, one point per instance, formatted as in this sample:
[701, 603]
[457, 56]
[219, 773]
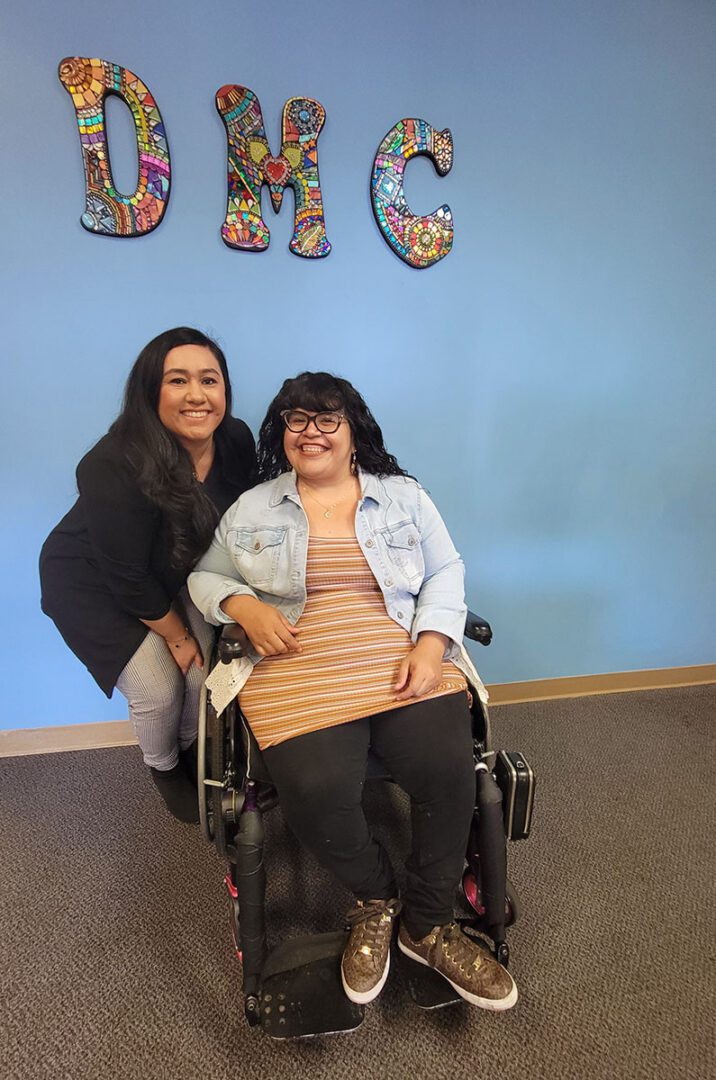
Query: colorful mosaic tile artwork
[251, 165]
[107, 211]
[419, 241]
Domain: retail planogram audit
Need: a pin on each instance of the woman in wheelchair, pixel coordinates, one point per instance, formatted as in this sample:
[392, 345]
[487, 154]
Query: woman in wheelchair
[114, 570]
[349, 588]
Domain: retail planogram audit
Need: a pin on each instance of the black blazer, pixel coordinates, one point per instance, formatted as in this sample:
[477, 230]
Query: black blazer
[106, 565]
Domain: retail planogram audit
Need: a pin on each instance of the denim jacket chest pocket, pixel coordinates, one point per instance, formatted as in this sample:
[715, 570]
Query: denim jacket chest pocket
[402, 546]
[257, 551]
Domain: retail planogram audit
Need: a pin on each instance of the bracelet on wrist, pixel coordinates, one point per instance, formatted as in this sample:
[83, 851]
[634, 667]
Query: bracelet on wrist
[175, 643]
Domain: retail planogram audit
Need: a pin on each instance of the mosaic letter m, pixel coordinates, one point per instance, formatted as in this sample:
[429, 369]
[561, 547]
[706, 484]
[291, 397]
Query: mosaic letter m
[251, 165]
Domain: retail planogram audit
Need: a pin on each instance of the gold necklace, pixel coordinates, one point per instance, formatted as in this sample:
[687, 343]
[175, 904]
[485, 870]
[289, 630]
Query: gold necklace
[327, 510]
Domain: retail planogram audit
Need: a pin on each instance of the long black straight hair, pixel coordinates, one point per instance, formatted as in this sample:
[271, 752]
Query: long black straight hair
[162, 467]
[320, 391]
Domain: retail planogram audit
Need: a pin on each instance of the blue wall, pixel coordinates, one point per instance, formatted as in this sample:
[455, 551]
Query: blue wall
[551, 381]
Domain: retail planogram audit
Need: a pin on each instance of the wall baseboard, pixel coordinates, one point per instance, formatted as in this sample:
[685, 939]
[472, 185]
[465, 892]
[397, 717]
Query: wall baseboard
[613, 682]
[51, 740]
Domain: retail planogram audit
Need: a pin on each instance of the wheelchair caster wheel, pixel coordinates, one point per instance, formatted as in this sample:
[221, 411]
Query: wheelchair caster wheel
[252, 1010]
[513, 908]
[234, 926]
[472, 891]
[502, 953]
[234, 914]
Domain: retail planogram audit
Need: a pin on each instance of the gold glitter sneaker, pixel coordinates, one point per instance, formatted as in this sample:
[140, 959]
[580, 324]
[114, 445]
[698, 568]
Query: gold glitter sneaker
[366, 957]
[469, 968]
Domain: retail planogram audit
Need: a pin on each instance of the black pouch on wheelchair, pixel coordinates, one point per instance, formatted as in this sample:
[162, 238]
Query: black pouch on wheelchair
[516, 779]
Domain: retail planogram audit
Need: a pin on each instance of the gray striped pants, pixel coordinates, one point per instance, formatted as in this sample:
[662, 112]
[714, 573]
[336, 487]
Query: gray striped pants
[163, 703]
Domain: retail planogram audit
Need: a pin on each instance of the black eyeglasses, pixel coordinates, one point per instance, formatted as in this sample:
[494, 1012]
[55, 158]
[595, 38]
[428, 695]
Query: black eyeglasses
[298, 420]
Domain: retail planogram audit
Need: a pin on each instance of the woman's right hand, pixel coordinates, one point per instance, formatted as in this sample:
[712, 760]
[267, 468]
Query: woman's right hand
[267, 629]
[185, 653]
[181, 645]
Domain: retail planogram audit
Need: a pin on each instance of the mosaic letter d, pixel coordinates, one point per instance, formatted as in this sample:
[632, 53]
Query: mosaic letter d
[107, 212]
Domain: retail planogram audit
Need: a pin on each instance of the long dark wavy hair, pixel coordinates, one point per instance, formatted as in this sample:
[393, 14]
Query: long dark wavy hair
[162, 466]
[319, 391]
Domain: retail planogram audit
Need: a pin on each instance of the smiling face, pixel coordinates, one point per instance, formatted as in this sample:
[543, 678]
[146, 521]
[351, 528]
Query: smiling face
[318, 458]
[192, 398]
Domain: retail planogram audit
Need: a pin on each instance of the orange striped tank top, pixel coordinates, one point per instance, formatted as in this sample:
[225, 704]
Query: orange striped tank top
[350, 653]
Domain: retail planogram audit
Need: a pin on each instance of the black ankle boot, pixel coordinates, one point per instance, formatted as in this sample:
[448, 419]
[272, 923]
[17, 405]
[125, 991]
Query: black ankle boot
[178, 793]
[188, 759]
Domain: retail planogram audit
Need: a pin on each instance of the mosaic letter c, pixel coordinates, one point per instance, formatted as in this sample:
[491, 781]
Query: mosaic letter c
[419, 241]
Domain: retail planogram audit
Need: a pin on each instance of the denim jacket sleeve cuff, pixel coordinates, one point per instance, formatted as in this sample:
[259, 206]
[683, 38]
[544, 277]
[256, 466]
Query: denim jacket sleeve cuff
[209, 590]
[450, 623]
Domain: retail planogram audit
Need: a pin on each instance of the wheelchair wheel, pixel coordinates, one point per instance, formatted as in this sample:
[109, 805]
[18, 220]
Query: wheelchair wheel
[226, 796]
[481, 727]
[202, 773]
[216, 732]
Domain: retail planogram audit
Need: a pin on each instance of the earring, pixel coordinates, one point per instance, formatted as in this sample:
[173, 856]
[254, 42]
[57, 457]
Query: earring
[354, 463]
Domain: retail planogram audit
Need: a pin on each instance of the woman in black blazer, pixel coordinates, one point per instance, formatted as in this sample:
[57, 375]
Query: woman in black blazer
[114, 570]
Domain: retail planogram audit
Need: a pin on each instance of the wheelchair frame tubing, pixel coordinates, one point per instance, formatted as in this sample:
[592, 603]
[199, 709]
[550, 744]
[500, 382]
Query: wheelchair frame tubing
[251, 886]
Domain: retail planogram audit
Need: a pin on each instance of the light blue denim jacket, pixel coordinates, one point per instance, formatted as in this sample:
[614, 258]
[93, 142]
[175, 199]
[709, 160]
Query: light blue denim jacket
[261, 543]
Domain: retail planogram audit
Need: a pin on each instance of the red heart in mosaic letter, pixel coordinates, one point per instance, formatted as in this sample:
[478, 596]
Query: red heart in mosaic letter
[277, 169]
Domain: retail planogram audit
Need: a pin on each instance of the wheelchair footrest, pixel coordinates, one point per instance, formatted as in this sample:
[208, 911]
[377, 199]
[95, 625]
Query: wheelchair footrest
[301, 991]
[427, 988]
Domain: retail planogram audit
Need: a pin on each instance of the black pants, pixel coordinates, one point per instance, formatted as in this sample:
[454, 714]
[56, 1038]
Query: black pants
[427, 748]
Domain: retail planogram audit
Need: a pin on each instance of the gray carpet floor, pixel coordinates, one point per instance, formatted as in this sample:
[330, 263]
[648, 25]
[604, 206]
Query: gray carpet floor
[117, 960]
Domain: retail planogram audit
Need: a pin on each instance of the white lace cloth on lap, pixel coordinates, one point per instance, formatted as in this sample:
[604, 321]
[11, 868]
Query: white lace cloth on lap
[226, 680]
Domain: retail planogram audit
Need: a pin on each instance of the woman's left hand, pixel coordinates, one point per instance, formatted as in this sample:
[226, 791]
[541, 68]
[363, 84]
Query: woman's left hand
[421, 670]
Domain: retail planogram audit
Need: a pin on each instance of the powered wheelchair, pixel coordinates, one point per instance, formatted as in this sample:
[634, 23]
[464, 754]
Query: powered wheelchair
[295, 989]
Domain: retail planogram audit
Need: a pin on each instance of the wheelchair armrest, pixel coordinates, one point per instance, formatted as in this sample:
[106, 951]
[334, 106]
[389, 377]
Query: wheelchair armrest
[478, 629]
[232, 643]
